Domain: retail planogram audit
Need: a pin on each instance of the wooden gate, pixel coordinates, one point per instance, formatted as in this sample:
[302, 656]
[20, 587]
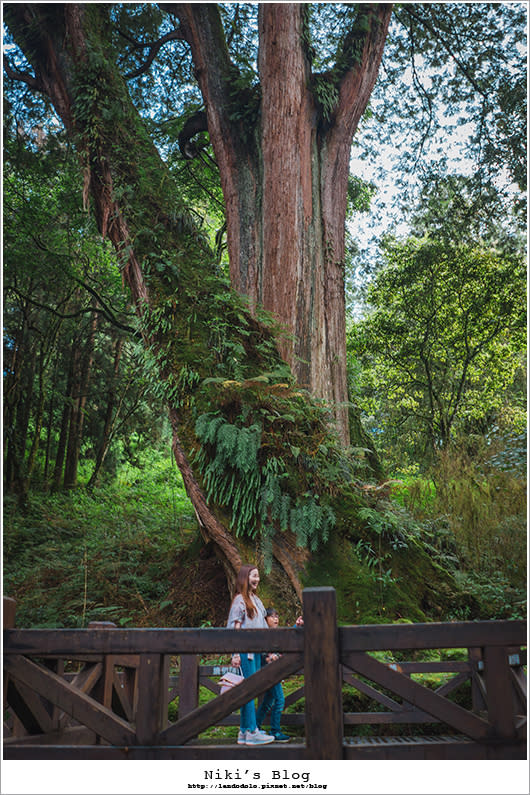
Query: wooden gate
[103, 693]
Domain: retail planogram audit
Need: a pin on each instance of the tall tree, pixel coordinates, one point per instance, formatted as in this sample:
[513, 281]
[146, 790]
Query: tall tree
[443, 336]
[70, 52]
[261, 448]
[284, 172]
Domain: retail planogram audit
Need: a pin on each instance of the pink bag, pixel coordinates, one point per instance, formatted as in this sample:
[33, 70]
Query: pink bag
[229, 680]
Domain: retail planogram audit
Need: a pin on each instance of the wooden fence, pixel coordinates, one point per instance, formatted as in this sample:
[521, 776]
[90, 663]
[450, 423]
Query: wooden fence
[104, 693]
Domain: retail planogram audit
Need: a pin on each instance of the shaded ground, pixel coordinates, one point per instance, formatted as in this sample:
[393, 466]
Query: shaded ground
[198, 590]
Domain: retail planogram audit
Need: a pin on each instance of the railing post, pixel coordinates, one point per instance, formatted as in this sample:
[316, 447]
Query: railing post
[323, 685]
[478, 703]
[8, 616]
[151, 685]
[188, 684]
[10, 607]
[103, 691]
[499, 692]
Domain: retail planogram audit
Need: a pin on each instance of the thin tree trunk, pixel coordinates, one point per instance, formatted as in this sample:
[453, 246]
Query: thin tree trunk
[51, 408]
[21, 425]
[14, 369]
[83, 370]
[38, 420]
[65, 421]
[70, 462]
[109, 416]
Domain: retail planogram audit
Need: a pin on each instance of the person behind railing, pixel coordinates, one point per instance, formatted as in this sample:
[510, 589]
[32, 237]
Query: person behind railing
[247, 612]
[274, 699]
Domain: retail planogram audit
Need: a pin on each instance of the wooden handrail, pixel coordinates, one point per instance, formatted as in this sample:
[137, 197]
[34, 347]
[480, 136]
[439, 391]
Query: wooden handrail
[45, 699]
[454, 634]
[62, 642]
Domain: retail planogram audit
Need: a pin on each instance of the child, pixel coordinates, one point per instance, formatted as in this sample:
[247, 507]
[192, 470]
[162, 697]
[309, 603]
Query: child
[274, 698]
[247, 612]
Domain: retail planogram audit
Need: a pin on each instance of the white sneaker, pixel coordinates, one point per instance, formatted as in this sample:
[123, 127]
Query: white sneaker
[241, 738]
[258, 738]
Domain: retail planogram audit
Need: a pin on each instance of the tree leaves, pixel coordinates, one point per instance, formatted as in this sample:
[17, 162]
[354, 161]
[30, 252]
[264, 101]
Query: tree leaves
[444, 334]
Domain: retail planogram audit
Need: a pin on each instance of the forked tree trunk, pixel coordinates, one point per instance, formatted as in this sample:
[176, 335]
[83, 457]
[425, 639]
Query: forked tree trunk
[284, 174]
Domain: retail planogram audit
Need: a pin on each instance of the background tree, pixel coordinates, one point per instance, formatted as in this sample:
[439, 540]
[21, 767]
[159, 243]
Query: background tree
[60, 333]
[442, 339]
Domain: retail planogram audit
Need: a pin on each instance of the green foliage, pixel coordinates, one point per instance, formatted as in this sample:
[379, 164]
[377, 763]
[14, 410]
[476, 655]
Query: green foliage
[492, 596]
[239, 475]
[78, 556]
[471, 515]
[443, 337]
[244, 96]
[326, 94]
[360, 194]
[455, 208]
[455, 66]
[486, 510]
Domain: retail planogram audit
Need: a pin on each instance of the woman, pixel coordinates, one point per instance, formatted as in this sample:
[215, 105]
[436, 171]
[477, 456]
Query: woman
[247, 612]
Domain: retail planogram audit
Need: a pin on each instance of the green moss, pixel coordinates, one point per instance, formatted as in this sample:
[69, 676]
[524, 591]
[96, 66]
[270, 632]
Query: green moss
[418, 589]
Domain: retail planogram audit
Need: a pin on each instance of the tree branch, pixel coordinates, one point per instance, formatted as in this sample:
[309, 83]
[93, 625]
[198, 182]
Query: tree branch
[202, 28]
[70, 315]
[24, 77]
[196, 124]
[362, 55]
[154, 49]
[409, 9]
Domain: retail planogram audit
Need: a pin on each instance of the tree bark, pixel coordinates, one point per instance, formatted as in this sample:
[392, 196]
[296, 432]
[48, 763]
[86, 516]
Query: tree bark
[285, 185]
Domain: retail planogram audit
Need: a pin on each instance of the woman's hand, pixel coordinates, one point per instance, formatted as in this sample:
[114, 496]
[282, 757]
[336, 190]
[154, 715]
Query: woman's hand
[236, 660]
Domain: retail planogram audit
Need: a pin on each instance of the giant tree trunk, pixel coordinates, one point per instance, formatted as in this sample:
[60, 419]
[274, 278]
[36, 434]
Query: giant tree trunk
[285, 192]
[285, 186]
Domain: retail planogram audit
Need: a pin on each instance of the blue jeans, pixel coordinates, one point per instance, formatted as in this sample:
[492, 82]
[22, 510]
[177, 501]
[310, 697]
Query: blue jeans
[248, 711]
[273, 700]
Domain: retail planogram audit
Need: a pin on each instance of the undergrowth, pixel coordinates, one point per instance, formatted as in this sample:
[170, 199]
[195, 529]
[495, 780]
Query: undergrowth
[471, 515]
[79, 556]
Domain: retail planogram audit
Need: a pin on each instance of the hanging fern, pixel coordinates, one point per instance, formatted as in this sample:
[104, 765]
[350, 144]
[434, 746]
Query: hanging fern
[229, 461]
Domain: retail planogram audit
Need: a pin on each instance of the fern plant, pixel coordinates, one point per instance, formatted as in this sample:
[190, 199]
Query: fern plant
[240, 477]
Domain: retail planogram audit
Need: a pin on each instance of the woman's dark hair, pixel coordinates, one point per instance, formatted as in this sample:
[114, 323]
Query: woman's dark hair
[242, 588]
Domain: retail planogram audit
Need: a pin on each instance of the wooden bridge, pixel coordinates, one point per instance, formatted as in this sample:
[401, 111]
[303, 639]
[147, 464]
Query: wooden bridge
[104, 693]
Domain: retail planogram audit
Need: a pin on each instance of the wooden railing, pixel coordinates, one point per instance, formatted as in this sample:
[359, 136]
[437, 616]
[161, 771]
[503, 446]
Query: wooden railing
[105, 692]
